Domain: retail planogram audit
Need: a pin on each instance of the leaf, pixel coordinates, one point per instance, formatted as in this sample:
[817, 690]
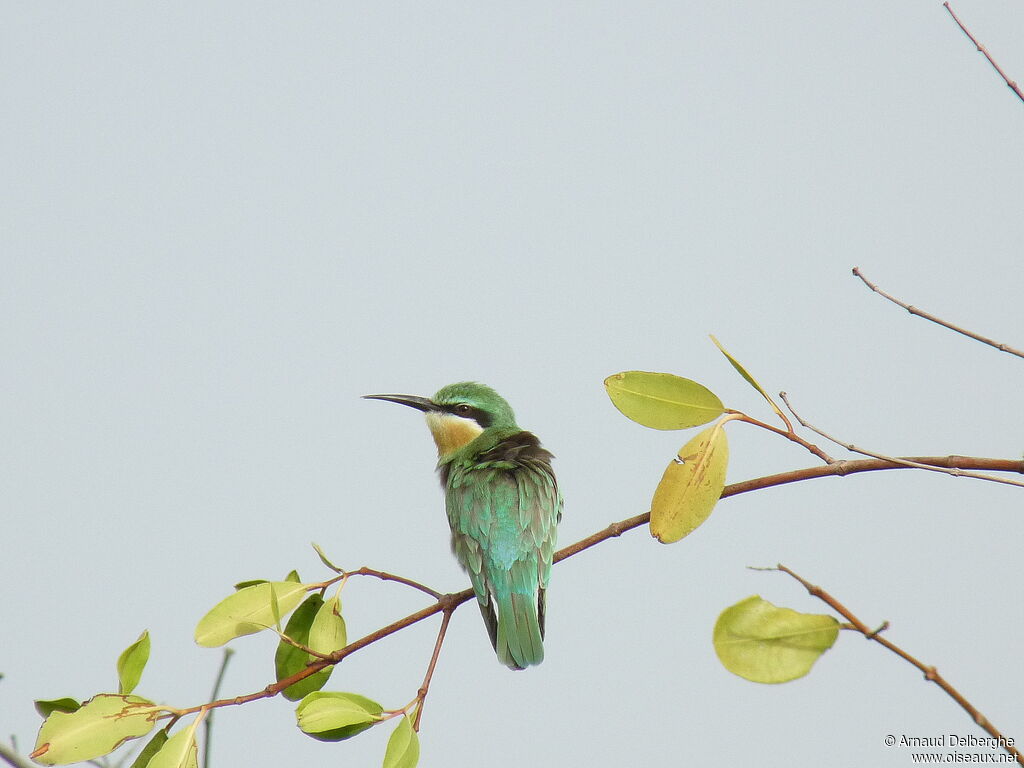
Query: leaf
[750, 379]
[767, 644]
[249, 610]
[293, 575]
[45, 706]
[333, 716]
[691, 486]
[328, 631]
[403, 747]
[180, 751]
[152, 747]
[662, 400]
[288, 659]
[99, 727]
[249, 583]
[324, 559]
[131, 662]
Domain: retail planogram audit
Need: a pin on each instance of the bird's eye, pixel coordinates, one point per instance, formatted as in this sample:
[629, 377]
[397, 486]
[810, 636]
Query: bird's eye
[463, 410]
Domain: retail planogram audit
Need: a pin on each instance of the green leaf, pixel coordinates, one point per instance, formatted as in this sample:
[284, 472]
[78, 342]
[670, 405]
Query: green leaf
[99, 727]
[324, 559]
[45, 706]
[403, 747]
[180, 751]
[691, 486]
[332, 716]
[131, 662]
[151, 748]
[249, 583]
[249, 610]
[767, 644]
[662, 400]
[288, 659]
[750, 379]
[327, 634]
[293, 575]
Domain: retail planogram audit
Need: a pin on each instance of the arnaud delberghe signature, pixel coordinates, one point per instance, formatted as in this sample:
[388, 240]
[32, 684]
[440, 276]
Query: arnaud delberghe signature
[954, 740]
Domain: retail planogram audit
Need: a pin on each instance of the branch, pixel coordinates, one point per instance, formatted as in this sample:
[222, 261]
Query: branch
[448, 603]
[927, 316]
[1013, 86]
[836, 469]
[930, 673]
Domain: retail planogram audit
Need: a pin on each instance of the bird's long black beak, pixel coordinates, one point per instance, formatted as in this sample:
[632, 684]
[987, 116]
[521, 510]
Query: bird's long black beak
[419, 403]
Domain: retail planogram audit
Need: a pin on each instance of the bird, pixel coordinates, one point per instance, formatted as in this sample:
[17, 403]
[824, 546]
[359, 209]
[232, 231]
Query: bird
[503, 507]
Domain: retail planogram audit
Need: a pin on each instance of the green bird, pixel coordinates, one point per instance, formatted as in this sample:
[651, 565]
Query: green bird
[503, 509]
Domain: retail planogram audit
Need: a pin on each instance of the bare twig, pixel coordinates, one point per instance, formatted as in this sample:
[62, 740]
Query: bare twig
[955, 471]
[930, 673]
[981, 48]
[421, 694]
[928, 316]
[383, 576]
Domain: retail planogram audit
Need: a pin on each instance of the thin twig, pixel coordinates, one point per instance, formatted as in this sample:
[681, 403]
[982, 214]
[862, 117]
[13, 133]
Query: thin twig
[1013, 86]
[930, 672]
[384, 576]
[208, 723]
[955, 471]
[421, 694]
[938, 320]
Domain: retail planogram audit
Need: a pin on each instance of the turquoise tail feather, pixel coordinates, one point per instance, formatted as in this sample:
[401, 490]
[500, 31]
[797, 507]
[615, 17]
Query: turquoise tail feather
[518, 642]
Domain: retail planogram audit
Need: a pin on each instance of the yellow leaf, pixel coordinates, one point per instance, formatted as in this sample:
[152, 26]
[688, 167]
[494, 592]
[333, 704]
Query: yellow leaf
[691, 486]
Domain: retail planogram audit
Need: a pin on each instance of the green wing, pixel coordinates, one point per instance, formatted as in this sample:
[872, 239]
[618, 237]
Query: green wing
[503, 509]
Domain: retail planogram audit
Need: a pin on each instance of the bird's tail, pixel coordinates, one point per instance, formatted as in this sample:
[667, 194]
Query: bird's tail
[517, 633]
[519, 642]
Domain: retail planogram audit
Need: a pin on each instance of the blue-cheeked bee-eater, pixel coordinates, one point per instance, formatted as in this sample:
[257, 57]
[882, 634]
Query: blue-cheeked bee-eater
[503, 509]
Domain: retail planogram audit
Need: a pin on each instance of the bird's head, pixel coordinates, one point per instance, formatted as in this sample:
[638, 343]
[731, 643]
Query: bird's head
[458, 413]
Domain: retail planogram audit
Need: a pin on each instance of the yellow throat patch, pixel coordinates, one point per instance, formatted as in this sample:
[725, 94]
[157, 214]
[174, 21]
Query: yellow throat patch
[451, 432]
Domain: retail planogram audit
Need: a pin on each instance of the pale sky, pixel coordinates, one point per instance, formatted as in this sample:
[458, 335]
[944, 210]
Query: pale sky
[222, 223]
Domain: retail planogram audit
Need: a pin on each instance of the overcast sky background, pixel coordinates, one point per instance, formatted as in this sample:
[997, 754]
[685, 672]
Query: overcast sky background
[222, 223]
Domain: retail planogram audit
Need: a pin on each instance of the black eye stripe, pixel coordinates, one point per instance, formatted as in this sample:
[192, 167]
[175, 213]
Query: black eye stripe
[467, 411]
